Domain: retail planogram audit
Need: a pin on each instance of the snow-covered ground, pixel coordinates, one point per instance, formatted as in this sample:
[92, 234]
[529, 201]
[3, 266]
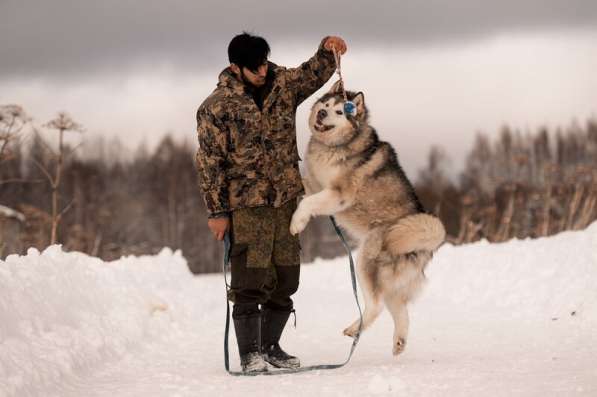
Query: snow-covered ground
[518, 318]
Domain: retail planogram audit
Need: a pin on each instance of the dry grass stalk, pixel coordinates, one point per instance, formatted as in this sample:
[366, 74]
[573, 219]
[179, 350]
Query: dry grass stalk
[586, 212]
[62, 123]
[503, 232]
[465, 216]
[572, 208]
[472, 230]
[545, 210]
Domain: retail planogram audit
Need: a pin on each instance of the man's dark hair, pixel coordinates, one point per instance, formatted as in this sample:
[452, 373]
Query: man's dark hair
[246, 50]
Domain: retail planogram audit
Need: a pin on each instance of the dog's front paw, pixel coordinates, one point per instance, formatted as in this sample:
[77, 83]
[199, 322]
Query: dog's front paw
[299, 221]
[399, 346]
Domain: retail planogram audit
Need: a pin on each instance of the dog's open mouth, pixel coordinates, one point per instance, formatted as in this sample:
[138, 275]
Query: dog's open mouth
[322, 127]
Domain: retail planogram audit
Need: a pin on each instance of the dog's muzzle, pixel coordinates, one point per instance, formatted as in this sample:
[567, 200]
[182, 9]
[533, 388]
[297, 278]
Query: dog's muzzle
[319, 126]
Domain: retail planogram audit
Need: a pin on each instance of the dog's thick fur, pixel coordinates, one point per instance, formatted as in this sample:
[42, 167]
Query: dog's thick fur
[354, 176]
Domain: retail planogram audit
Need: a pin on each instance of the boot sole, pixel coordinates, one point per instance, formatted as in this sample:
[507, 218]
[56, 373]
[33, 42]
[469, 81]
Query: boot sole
[255, 371]
[277, 365]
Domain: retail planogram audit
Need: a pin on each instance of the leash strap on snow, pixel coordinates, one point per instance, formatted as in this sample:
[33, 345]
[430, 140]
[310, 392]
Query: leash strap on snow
[300, 369]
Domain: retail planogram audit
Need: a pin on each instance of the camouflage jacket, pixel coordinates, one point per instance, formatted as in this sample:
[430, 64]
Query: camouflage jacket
[248, 157]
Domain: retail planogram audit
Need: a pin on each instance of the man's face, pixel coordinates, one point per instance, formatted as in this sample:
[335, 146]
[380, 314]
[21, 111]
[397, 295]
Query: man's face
[255, 77]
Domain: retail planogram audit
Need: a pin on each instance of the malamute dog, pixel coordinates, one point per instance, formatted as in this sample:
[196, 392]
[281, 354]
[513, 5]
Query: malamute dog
[354, 176]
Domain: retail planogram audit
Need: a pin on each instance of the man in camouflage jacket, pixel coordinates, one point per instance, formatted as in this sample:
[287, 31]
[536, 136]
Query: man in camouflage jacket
[248, 171]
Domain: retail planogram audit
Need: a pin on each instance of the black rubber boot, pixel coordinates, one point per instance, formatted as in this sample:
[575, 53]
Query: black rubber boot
[247, 329]
[272, 326]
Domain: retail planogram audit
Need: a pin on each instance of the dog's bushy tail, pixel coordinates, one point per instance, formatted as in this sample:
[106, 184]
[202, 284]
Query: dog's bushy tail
[418, 232]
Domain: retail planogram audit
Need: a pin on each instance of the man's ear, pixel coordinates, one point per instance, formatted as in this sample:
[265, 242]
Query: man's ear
[359, 101]
[336, 88]
[235, 69]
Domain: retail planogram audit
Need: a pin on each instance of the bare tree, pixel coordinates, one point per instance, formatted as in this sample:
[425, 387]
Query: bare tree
[62, 123]
[12, 121]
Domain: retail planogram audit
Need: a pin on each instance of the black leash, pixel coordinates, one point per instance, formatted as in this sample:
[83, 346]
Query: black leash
[300, 369]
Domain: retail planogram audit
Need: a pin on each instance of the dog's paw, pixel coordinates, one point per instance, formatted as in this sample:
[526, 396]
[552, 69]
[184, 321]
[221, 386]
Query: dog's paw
[299, 221]
[352, 330]
[399, 346]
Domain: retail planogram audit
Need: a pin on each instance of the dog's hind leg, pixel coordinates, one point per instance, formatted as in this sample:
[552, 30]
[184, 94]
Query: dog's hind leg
[397, 308]
[368, 276]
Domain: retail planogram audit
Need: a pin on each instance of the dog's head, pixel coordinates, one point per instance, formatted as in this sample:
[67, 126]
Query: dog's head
[329, 122]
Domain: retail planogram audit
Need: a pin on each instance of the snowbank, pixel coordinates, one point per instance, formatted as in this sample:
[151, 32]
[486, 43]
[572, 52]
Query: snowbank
[68, 312]
[517, 318]
[10, 213]
[551, 276]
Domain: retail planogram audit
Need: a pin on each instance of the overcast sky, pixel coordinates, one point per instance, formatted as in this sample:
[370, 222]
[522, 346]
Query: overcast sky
[433, 71]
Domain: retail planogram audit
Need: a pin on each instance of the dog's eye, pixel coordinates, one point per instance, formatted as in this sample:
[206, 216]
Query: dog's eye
[338, 111]
[327, 105]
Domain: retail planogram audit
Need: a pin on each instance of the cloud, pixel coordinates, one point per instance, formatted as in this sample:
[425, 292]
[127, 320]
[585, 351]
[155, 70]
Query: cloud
[417, 97]
[70, 37]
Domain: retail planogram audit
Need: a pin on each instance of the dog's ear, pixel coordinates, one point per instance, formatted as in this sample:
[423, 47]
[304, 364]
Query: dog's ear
[359, 101]
[336, 88]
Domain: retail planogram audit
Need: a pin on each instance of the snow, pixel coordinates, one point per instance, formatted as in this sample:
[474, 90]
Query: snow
[516, 318]
[10, 213]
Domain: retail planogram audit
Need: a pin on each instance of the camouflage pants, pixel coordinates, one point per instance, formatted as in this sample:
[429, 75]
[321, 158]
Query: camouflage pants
[265, 258]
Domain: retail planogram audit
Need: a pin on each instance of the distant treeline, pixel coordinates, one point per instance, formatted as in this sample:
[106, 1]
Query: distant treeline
[520, 185]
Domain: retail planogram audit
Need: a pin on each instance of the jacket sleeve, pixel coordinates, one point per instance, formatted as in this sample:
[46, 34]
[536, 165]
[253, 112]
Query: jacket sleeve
[211, 161]
[312, 74]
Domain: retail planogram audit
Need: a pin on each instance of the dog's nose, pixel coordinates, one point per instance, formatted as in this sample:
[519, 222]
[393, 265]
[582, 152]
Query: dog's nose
[322, 114]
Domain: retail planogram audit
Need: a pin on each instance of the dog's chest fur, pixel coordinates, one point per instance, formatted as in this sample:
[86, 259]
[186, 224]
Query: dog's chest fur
[325, 166]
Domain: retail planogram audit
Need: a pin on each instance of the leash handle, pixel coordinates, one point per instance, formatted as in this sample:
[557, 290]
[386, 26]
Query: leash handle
[227, 247]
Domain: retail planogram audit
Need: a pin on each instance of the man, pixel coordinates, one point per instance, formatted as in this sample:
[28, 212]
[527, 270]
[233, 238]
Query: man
[248, 172]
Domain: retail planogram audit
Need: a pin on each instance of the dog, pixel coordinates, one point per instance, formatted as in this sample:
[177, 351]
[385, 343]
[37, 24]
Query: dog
[356, 177]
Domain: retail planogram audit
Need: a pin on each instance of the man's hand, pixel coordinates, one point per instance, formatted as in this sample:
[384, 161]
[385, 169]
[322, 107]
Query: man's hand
[335, 42]
[218, 226]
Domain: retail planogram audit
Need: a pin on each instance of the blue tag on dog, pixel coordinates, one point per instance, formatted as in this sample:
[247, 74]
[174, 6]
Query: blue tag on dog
[350, 108]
